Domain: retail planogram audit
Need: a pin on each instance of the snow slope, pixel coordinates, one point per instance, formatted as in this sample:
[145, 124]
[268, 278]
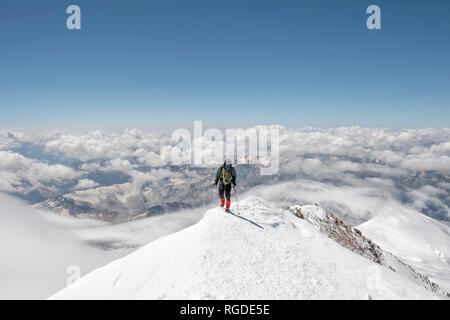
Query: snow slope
[266, 253]
[422, 242]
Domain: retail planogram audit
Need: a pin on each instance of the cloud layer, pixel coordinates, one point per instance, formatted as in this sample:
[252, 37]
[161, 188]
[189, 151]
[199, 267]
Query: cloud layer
[412, 164]
[38, 249]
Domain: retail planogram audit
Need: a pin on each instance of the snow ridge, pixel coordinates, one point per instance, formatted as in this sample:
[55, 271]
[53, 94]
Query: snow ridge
[266, 252]
[353, 239]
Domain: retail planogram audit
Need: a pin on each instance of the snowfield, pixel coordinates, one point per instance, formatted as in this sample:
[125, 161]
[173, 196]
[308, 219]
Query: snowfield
[265, 253]
[420, 241]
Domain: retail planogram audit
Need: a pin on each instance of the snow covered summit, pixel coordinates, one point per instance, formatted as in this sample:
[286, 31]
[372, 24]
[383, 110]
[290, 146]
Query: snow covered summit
[265, 253]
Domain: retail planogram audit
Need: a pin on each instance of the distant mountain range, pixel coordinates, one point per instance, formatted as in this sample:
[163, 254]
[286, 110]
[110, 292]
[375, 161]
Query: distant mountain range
[127, 201]
[193, 187]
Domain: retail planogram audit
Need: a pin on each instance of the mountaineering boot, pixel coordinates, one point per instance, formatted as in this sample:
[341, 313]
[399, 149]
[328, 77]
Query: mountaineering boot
[222, 202]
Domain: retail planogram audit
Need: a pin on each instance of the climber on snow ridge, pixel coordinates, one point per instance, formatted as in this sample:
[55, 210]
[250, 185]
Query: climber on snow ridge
[225, 176]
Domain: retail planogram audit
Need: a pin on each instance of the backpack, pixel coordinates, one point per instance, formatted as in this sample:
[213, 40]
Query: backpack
[226, 175]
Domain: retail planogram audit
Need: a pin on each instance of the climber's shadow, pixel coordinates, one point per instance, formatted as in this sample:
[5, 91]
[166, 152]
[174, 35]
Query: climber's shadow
[252, 222]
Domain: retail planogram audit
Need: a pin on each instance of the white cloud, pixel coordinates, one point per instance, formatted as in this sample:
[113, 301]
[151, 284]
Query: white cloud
[350, 155]
[358, 203]
[37, 248]
[427, 161]
[411, 149]
[85, 184]
[16, 171]
[36, 252]
[98, 145]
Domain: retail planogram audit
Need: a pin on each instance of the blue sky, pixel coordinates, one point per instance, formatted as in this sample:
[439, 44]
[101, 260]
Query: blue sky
[230, 63]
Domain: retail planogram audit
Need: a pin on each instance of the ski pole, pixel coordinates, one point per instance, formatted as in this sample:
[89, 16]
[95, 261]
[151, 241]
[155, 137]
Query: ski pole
[237, 205]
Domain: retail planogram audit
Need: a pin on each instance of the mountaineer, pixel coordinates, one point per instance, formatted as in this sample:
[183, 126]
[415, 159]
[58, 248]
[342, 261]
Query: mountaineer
[225, 177]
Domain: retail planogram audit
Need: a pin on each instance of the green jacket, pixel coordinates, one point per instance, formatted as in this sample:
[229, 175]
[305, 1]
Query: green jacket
[226, 175]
